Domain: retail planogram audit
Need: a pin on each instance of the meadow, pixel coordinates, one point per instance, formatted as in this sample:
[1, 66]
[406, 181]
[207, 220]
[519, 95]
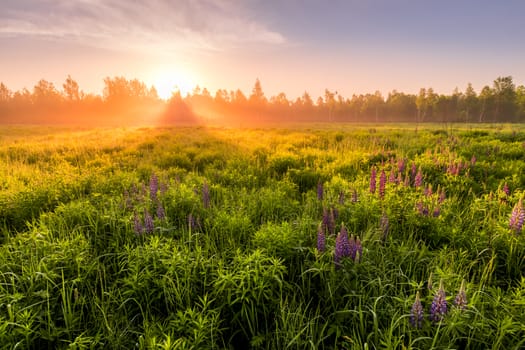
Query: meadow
[308, 237]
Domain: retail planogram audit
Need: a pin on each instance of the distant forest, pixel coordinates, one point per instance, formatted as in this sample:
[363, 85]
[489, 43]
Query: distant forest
[131, 102]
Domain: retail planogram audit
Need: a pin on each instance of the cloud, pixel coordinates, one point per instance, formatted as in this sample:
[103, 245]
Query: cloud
[165, 25]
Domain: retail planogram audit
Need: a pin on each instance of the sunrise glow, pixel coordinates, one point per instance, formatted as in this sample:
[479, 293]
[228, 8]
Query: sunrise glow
[168, 81]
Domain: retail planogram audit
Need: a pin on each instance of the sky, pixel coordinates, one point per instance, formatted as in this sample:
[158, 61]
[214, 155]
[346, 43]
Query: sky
[292, 46]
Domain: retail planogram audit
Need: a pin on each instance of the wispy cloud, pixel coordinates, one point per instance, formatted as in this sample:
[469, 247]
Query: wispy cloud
[139, 25]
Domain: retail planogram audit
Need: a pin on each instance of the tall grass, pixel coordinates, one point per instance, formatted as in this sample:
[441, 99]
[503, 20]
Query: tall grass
[200, 238]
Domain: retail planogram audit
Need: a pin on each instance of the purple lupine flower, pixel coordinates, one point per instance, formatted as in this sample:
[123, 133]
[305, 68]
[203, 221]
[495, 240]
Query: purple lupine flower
[392, 176]
[205, 195]
[461, 298]
[401, 165]
[341, 198]
[328, 222]
[137, 224]
[193, 222]
[321, 239]
[436, 211]
[413, 171]
[399, 179]
[506, 189]
[438, 309]
[153, 187]
[320, 191]
[421, 208]
[428, 191]
[352, 249]
[517, 217]
[418, 180]
[385, 226]
[382, 184]
[149, 226]
[342, 246]
[161, 213]
[416, 313]
[373, 180]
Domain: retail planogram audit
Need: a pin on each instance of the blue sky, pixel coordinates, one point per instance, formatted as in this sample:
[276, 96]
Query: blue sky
[353, 46]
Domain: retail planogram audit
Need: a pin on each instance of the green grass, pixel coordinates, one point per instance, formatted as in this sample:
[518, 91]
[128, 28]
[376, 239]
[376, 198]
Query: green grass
[242, 270]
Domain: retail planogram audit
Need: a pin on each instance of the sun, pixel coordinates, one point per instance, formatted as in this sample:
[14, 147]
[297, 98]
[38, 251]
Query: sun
[169, 81]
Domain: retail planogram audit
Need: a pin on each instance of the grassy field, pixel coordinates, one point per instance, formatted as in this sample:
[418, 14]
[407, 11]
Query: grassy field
[311, 237]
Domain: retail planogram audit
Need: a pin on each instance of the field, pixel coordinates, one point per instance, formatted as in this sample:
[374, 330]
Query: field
[313, 237]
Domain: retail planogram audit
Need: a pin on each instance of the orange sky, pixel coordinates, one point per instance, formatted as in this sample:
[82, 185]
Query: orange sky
[291, 46]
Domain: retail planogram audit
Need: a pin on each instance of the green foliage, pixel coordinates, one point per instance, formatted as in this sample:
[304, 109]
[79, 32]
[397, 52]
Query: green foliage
[237, 266]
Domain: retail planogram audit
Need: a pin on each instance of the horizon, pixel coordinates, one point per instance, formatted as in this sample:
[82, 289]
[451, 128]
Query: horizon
[352, 47]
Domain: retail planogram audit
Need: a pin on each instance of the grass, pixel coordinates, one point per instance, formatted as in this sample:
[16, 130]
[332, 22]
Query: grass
[192, 238]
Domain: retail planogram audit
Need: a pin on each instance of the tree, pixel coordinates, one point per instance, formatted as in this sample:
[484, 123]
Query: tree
[486, 98]
[71, 90]
[257, 97]
[504, 98]
[468, 103]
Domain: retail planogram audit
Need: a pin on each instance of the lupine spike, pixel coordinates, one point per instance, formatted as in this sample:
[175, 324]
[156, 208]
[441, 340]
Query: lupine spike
[438, 309]
[461, 298]
[153, 186]
[342, 247]
[416, 313]
[341, 198]
[321, 239]
[358, 249]
[418, 180]
[373, 180]
[320, 191]
[205, 195]
[149, 226]
[137, 224]
[517, 217]
[382, 184]
[392, 176]
[161, 213]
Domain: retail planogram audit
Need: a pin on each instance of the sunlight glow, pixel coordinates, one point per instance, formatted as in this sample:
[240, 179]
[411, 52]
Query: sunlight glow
[169, 81]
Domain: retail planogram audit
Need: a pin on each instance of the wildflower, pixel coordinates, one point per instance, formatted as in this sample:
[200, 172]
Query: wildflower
[392, 177]
[428, 191]
[161, 213]
[413, 171]
[373, 180]
[153, 187]
[421, 208]
[506, 189]
[416, 313]
[137, 224]
[341, 246]
[205, 195]
[401, 165]
[148, 222]
[385, 225]
[418, 180]
[382, 184]
[321, 240]
[320, 191]
[517, 217]
[438, 309]
[436, 212]
[461, 298]
[328, 222]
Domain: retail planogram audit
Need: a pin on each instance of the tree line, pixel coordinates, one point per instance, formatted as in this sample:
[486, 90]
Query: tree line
[131, 102]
